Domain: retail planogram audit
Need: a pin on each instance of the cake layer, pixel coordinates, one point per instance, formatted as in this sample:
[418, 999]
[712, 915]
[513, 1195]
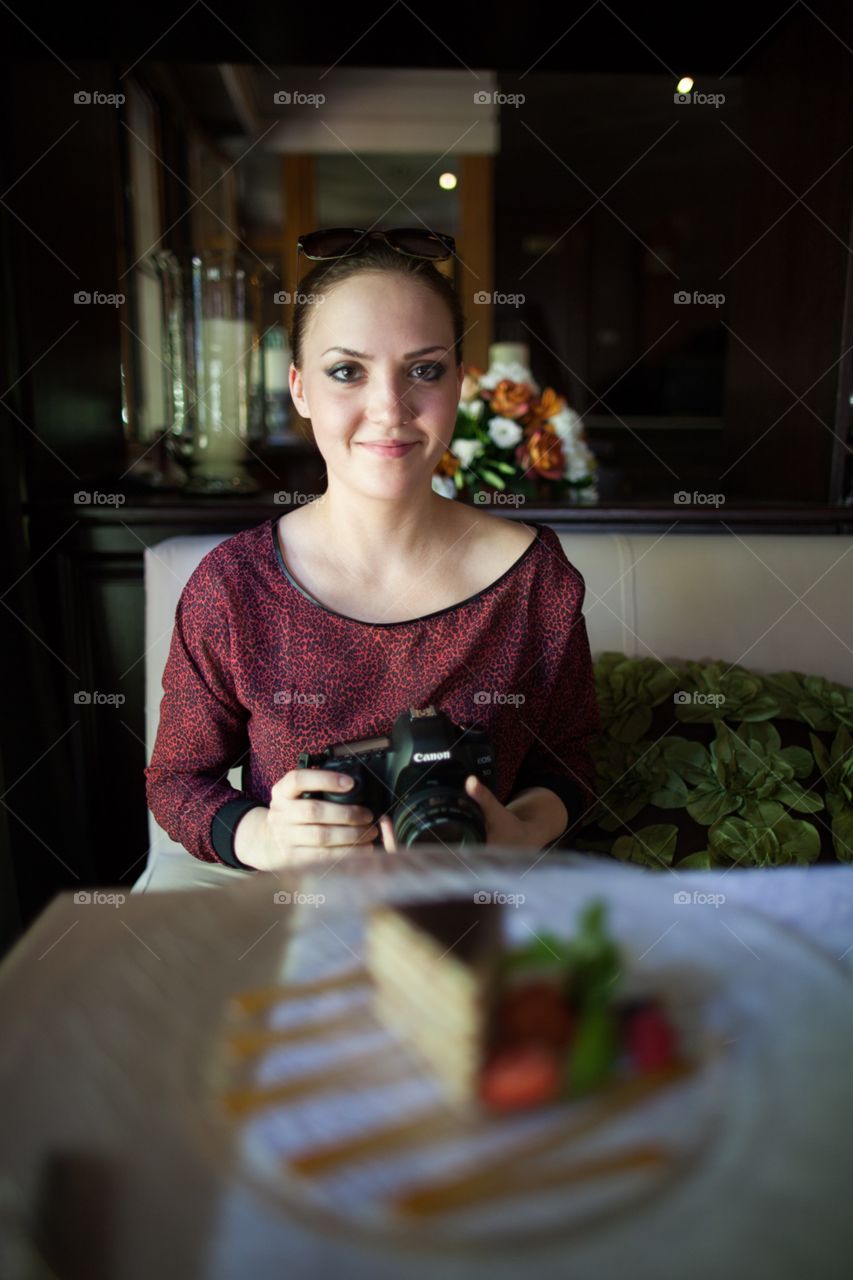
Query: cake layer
[436, 968]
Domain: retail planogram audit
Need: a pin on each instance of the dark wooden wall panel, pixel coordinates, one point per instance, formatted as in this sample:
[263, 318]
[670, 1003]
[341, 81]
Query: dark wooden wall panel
[65, 240]
[787, 294]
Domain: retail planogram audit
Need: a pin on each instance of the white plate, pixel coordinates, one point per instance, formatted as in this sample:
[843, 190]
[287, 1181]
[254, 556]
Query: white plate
[782, 1008]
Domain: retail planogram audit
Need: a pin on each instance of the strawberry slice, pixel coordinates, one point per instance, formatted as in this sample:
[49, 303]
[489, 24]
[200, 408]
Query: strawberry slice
[650, 1039]
[522, 1076]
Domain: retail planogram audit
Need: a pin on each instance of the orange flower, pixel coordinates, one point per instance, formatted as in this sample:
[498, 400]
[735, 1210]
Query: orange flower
[511, 399]
[545, 407]
[447, 465]
[541, 453]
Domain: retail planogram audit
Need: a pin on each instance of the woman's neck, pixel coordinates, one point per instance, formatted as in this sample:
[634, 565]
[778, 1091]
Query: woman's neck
[385, 536]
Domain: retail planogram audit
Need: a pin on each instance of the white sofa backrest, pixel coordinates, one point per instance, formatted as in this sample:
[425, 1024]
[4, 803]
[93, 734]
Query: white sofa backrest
[766, 602]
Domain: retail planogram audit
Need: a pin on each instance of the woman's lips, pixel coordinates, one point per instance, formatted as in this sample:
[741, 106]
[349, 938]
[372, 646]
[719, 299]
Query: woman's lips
[390, 450]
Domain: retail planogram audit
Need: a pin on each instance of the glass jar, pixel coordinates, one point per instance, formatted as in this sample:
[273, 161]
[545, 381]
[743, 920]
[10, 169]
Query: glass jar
[215, 367]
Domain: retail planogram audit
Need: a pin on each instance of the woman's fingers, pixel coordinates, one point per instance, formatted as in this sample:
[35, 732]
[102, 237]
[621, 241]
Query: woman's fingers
[295, 781]
[323, 836]
[306, 828]
[388, 840]
[325, 813]
[287, 854]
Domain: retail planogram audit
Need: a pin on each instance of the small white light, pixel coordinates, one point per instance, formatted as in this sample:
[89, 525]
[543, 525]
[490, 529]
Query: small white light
[684, 85]
[447, 181]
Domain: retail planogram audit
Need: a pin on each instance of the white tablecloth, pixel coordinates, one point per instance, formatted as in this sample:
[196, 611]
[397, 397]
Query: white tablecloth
[816, 902]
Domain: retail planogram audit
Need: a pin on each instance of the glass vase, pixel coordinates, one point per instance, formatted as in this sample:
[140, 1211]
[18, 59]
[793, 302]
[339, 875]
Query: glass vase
[214, 361]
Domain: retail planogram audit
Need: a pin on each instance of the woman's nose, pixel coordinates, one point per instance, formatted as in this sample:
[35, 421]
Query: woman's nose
[386, 406]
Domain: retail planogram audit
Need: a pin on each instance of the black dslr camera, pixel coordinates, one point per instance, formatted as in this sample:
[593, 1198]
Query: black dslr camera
[417, 775]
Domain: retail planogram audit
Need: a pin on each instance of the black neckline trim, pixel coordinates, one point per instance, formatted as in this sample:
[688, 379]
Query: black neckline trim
[408, 622]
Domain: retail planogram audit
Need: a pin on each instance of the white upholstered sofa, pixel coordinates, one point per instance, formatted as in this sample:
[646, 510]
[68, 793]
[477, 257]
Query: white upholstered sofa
[767, 602]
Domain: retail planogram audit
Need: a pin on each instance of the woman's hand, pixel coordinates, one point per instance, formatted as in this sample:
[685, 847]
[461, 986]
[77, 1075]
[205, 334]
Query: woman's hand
[504, 825]
[527, 822]
[534, 819]
[294, 830]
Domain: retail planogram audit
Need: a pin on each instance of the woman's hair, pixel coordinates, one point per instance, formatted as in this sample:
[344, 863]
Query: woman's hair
[376, 256]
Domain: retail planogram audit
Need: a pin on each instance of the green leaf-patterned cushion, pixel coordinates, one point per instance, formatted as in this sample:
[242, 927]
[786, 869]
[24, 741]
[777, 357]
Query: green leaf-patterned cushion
[703, 764]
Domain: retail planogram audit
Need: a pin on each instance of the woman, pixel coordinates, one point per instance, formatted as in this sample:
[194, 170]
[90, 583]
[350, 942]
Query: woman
[323, 625]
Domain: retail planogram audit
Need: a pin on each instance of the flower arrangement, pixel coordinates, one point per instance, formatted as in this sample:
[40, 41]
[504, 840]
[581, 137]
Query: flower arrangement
[510, 437]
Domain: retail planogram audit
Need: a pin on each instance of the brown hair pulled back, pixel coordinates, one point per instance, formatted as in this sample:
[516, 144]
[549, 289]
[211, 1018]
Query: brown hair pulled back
[376, 256]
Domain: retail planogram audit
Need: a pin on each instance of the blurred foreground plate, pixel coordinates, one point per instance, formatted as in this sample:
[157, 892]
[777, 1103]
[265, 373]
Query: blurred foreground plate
[303, 1094]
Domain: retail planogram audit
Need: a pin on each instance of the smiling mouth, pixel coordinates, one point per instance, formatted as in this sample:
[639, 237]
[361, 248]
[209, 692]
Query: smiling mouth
[389, 449]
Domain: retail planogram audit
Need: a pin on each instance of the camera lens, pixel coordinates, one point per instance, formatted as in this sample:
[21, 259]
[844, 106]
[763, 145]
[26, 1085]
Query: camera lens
[434, 815]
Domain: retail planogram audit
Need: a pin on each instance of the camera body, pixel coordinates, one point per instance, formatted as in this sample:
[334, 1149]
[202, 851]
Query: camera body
[417, 775]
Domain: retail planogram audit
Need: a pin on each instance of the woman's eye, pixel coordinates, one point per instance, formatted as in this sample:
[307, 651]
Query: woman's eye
[435, 370]
[339, 369]
[432, 374]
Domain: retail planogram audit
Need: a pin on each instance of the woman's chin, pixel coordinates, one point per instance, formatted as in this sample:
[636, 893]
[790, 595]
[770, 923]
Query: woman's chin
[392, 475]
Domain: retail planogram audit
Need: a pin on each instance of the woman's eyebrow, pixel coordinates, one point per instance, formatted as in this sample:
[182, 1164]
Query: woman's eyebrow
[361, 355]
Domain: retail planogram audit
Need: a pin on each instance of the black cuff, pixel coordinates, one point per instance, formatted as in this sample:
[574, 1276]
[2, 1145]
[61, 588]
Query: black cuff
[569, 792]
[222, 830]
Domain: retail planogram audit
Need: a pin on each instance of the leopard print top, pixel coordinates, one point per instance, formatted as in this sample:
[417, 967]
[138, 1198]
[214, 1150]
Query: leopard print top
[259, 671]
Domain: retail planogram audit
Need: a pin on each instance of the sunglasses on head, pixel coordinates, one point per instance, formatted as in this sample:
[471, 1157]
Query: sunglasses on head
[341, 242]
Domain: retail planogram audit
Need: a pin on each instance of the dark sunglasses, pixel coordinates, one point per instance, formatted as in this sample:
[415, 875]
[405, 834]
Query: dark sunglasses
[341, 242]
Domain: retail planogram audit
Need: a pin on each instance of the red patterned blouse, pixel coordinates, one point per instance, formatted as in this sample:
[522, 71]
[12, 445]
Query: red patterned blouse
[259, 671]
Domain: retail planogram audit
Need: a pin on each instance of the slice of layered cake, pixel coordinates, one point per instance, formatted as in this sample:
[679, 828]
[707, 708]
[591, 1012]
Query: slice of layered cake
[507, 1026]
[436, 967]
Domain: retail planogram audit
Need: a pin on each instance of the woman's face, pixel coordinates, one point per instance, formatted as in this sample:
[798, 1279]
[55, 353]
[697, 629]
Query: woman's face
[378, 366]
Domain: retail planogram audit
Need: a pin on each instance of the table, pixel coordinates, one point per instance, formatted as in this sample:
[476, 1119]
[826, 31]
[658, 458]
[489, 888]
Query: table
[92, 997]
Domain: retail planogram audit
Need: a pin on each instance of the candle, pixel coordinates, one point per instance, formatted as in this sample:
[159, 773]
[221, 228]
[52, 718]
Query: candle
[223, 390]
[276, 362]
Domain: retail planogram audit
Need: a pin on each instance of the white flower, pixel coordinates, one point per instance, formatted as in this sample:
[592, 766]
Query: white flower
[444, 485]
[580, 460]
[466, 450]
[567, 423]
[472, 408]
[579, 465]
[505, 433]
[514, 371]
